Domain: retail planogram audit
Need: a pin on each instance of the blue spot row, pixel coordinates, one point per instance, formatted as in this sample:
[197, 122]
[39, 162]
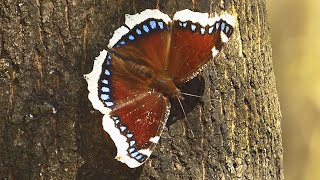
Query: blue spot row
[225, 27]
[136, 155]
[132, 149]
[104, 85]
[220, 25]
[145, 27]
[123, 129]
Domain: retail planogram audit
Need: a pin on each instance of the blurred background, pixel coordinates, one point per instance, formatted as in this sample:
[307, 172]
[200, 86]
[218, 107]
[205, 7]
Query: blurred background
[296, 55]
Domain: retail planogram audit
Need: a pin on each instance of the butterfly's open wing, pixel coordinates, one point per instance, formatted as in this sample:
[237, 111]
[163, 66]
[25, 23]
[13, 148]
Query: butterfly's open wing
[138, 127]
[134, 115]
[144, 39]
[195, 40]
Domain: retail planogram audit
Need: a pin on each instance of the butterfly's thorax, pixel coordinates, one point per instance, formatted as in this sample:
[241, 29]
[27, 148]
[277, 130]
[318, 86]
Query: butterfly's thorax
[157, 81]
[166, 86]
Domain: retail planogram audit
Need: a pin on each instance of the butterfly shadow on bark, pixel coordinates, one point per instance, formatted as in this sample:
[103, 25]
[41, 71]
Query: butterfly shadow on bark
[194, 87]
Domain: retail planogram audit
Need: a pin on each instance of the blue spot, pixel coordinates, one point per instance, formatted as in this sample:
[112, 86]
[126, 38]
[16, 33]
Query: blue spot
[131, 37]
[132, 143]
[108, 60]
[143, 158]
[202, 30]
[115, 119]
[145, 28]
[131, 150]
[210, 30]
[134, 154]
[227, 29]
[160, 24]
[109, 104]
[153, 24]
[122, 128]
[193, 27]
[223, 25]
[105, 89]
[184, 24]
[107, 72]
[105, 97]
[138, 31]
[139, 157]
[217, 25]
[104, 81]
[129, 135]
[122, 43]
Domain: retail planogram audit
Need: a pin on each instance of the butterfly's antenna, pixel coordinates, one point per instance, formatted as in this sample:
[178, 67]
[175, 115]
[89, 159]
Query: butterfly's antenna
[185, 116]
[193, 95]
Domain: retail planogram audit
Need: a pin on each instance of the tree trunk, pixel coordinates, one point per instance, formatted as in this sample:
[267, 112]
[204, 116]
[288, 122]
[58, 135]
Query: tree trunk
[49, 130]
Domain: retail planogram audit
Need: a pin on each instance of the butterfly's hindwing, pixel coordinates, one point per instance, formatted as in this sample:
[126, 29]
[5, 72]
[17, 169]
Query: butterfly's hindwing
[134, 114]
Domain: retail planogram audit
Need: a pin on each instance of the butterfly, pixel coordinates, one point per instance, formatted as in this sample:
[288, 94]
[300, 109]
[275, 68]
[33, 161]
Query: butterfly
[147, 58]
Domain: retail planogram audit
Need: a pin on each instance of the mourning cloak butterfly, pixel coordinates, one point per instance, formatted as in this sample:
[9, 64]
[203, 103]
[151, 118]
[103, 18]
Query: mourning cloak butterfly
[131, 82]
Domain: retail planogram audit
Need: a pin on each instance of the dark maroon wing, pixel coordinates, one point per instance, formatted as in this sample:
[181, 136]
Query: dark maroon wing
[141, 123]
[144, 40]
[134, 115]
[195, 40]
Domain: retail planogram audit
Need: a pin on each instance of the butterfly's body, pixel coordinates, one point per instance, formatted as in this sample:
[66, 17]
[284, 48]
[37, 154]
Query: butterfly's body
[155, 81]
[147, 59]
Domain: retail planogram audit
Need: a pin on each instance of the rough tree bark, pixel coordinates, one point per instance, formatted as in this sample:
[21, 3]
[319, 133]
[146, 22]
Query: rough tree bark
[49, 130]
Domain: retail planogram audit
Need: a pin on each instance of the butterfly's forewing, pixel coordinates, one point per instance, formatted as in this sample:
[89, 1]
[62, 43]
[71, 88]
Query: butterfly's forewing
[134, 115]
[195, 40]
[144, 39]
